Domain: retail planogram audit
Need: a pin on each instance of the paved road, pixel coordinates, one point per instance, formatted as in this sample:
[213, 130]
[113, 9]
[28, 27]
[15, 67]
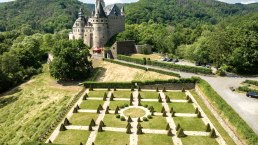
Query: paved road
[246, 107]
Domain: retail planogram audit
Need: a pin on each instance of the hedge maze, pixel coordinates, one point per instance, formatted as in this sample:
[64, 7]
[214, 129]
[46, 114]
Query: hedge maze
[136, 116]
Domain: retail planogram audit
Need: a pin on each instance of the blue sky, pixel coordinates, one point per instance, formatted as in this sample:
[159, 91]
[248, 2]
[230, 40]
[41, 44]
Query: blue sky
[128, 1]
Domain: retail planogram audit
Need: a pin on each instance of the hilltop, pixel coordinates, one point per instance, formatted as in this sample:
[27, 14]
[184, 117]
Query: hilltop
[46, 16]
[185, 12]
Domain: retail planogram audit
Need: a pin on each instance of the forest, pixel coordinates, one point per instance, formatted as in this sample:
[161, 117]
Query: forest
[225, 35]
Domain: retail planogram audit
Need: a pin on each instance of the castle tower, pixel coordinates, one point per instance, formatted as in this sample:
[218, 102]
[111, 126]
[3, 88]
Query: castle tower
[100, 26]
[102, 3]
[78, 27]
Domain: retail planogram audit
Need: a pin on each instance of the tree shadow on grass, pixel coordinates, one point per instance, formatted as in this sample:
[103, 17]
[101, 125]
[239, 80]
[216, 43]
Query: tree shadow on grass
[7, 101]
[97, 73]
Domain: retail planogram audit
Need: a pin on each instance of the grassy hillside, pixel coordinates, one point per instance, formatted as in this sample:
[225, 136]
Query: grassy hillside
[43, 15]
[28, 110]
[185, 12]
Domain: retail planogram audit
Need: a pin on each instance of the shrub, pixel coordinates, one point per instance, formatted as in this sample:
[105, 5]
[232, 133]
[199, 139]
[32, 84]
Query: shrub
[252, 82]
[145, 119]
[184, 68]
[213, 134]
[121, 106]
[134, 60]
[145, 106]
[180, 133]
[117, 116]
[126, 105]
[149, 116]
[122, 118]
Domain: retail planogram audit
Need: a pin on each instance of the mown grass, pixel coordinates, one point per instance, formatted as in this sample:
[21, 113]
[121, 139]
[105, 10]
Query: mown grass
[112, 138]
[91, 104]
[157, 122]
[212, 118]
[156, 105]
[97, 94]
[110, 120]
[199, 140]
[26, 112]
[190, 123]
[149, 95]
[122, 94]
[134, 112]
[176, 95]
[181, 107]
[72, 137]
[114, 104]
[82, 119]
[154, 139]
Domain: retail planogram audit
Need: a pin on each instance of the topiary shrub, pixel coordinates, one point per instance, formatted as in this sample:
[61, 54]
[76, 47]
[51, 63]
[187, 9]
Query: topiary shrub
[145, 119]
[115, 89]
[62, 127]
[178, 127]
[132, 89]
[117, 116]
[196, 110]
[149, 116]
[91, 88]
[170, 132]
[122, 118]
[109, 89]
[213, 134]
[126, 105]
[129, 119]
[157, 89]
[139, 119]
[183, 89]
[121, 106]
[117, 109]
[164, 89]
[180, 133]
[139, 89]
[199, 115]
[145, 106]
[208, 128]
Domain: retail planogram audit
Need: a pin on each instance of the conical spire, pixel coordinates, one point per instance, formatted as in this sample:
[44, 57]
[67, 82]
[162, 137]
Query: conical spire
[123, 11]
[99, 12]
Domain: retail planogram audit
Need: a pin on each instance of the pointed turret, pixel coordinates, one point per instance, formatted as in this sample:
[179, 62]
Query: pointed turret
[99, 12]
[123, 11]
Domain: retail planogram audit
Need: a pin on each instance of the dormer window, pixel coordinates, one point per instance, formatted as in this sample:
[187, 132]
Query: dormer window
[77, 24]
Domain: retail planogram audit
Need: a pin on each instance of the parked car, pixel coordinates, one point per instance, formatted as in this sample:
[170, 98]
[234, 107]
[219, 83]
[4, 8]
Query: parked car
[175, 60]
[252, 94]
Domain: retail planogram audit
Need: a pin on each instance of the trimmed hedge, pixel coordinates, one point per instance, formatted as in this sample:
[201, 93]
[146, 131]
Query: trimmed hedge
[251, 82]
[228, 112]
[130, 59]
[143, 68]
[246, 89]
[172, 66]
[128, 85]
[183, 68]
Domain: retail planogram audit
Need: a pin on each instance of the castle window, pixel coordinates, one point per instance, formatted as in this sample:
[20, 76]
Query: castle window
[97, 20]
[78, 30]
[101, 20]
[77, 24]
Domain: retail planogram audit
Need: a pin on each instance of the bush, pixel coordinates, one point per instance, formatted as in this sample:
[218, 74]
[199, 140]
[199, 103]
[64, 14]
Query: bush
[252, 82]
[184, 68]
[145, 119]
[145, 106]
[130, 59]
[126, 105]
[228, 112]
[246, 89]
[122, 106]
[122, 118]
[149, 116]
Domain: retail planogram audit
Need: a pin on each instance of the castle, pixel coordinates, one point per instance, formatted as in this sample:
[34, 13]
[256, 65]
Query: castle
[103, 24]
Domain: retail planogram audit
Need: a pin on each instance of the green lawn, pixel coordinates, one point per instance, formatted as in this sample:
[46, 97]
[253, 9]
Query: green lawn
[214, 121]
[97, 93]
[157, 106]
[110, 120]
[122, 94]
[72, 137]
[157, 122]
[190, 123]
[149, 95]
[114, 104]
[182, 107]
[82, 119]
[112, 138]
[199, 140]
[176, 95]
[154, 139]
[91, 104]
